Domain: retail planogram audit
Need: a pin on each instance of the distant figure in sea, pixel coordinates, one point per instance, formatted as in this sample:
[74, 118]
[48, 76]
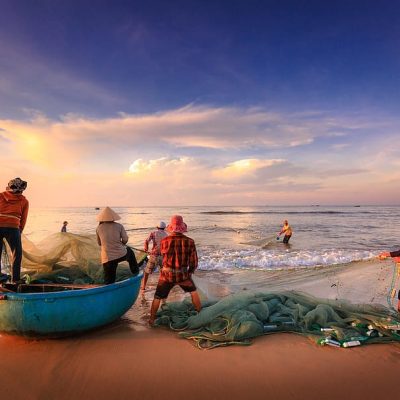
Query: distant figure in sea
[287, 230]
[64, 226]
[155, 259]
[396, 256]
[112, 238]
[179, 262]
[14, 209]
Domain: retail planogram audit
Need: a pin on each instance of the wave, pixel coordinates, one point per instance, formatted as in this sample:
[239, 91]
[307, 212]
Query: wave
[277, 260]
[282, 212]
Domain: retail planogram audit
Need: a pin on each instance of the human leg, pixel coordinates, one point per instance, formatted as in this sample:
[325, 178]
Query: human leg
[131, 258]
[286, 239]
[149, 269]
[189, 287]
[153, 311]
[161, 294]
[196, 300]
[110, 271]
[13, 237]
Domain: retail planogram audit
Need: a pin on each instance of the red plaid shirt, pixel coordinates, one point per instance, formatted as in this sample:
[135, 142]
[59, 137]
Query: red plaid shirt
[179, 257]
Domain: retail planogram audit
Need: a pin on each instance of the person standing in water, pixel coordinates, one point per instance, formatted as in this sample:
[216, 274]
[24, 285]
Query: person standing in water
[14, 209]
[112, 238]
[64, 227]
[179, 263]
[287, 230]
[155, 259]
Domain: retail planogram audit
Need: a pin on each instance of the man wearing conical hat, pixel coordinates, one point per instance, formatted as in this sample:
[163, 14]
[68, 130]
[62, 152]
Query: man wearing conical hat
[179, 263]
[112, 238]
[13, 215]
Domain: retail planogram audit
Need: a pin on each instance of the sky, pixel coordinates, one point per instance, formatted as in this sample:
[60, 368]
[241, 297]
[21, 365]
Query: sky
[212, 102]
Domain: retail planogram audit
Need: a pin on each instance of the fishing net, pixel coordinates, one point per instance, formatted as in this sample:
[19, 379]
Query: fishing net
[64, 258]
[338, 305]
[240, 317]
[342, 306]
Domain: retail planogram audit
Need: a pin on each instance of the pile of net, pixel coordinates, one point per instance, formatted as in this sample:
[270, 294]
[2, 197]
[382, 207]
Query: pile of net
[64, 258]
[237, 318]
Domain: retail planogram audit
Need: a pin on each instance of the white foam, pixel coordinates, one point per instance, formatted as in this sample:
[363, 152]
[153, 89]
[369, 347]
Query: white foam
[274, 260]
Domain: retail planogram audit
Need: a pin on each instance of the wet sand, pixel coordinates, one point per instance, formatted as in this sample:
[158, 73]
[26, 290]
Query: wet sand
[119, 362]
[128, 360]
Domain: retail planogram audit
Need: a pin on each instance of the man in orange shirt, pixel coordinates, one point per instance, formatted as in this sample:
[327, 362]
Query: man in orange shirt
[13, 214]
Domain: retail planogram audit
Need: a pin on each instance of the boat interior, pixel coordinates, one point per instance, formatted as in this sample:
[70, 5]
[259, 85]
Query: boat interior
[41, 287]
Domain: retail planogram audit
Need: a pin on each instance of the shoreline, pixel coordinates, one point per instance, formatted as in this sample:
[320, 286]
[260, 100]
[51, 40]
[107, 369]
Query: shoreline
[129, 359]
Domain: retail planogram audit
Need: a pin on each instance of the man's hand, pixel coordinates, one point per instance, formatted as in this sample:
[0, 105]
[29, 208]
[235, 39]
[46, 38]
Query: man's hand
[384, 255]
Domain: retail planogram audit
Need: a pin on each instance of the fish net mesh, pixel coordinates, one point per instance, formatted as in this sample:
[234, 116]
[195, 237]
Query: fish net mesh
[64, 258]
[341, 306]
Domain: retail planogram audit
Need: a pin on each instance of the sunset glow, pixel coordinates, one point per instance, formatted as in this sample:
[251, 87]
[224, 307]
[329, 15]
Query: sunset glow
[137, 109]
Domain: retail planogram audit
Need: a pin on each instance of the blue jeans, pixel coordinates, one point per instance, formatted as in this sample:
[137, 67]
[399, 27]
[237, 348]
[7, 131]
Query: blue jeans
[13, 238]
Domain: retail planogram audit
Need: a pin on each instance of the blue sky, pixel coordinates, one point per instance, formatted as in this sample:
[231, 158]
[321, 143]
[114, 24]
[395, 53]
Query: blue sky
[305, 91]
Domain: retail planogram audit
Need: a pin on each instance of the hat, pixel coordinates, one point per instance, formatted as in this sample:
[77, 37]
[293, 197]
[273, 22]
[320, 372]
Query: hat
[177, 224]
[161, 225]
[107, 215]
[16, 185]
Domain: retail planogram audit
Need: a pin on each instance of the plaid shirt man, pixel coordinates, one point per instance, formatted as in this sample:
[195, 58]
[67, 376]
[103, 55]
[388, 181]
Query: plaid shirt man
[179, 257]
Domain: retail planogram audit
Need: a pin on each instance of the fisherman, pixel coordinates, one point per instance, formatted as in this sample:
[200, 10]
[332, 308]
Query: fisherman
[155, 259]
[112, 238]
[179, 263]
[14, 209]
[396, 256]
[64, 227]
[287, 230]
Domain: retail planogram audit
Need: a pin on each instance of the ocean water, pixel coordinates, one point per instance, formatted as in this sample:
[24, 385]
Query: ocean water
[244, 238]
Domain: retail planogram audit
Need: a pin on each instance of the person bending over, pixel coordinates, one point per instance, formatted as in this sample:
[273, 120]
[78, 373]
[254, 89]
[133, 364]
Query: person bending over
[155, 259]
[287, 230]
[179, 262]
[112, 238]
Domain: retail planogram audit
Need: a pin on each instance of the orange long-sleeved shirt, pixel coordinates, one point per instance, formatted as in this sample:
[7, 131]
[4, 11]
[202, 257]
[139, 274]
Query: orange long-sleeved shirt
[13, 210]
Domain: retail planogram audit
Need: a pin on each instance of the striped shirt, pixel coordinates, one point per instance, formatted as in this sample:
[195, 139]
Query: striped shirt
[155, 237]
[179, 257]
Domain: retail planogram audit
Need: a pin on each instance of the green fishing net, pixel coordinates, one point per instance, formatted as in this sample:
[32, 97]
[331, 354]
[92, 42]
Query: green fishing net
[64, 258]
[237, 318]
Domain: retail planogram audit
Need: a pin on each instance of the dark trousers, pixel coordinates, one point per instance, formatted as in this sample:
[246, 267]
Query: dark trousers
[13, 238]
[286, 238]
[110, 267]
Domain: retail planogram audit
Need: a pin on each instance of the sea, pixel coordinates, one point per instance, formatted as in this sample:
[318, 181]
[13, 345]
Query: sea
[245, 238]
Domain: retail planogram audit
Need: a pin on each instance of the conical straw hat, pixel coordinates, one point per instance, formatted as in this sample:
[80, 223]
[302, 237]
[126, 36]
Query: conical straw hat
[107, 215]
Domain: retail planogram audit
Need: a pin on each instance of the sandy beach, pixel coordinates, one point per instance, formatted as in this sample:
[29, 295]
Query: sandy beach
[130, 360]
[120, 362]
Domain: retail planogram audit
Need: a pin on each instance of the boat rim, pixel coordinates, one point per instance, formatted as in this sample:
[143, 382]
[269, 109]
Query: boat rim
[85, 291]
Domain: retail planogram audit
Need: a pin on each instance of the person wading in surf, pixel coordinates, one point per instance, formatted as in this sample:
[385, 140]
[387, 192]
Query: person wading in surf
[287, 230]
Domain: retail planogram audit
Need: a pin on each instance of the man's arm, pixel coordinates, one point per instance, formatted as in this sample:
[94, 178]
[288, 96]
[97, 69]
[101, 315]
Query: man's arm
[193, 259]
[124, 235]
[147, 241]
[98, 238]
[24, 216]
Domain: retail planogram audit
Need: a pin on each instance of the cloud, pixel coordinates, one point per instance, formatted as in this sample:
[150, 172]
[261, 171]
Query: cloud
[202, 127]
